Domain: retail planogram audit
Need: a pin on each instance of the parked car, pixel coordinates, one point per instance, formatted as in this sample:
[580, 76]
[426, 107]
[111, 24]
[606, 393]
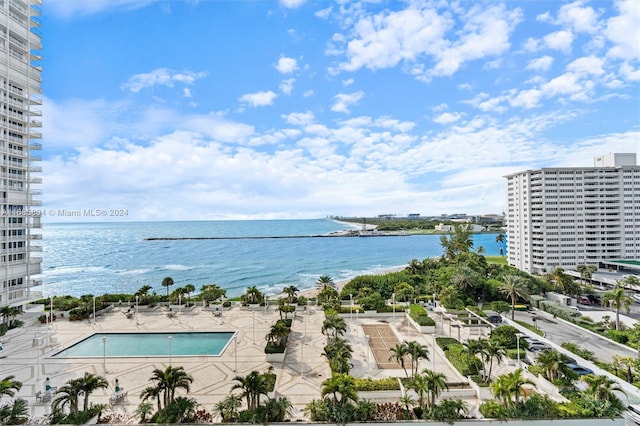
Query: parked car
[578, 369]
[584, 300]
[636, 297]
[596, 299]
[537, 346]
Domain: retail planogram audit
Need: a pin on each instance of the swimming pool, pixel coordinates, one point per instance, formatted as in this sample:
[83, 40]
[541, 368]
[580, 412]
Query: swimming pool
[148, 345]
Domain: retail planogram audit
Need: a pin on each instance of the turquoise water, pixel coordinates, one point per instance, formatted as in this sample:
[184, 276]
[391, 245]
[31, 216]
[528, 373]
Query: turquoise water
[98, 258]
[148, 344]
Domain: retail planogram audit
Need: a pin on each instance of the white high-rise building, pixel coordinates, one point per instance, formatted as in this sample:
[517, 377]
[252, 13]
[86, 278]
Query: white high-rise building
[567, 216]
[20, 101]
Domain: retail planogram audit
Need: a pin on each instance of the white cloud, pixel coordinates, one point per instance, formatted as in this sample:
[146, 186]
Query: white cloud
[447, 118]
[286, 65]
[587, 65]
[542, 63]
[71, 8]
[160, 77]
[259, 98]
[324, 13]
[308, 93]
[299, 118]
[527, 99]
[348, 82]
[292, 4]
[624, 31]
[559, 40]
[286, 86]
[343, 101]
[578, 18]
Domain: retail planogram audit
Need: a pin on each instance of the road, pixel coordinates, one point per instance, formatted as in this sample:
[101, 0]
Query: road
[559, 332]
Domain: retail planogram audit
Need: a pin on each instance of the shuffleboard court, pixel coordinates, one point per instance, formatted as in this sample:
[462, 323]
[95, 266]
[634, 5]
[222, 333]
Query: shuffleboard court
[381, 339]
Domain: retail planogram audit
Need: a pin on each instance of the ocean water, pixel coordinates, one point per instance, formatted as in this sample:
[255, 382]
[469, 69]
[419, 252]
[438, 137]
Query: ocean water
[98, 258]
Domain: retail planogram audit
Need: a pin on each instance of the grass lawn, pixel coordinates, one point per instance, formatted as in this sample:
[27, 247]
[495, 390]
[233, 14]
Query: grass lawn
[498, 260]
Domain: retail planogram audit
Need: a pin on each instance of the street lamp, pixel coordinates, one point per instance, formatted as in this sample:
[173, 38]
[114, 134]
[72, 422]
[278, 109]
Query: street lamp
[169, 339]
[235, 338]
[535, 321]
[94, 309]
[253, 329]
[368, 338]
[180, 303]
[393, 302]
[51, 310]
[518, 336]
[433, 354]
[104, 354]
[351, 307]
[137, 302]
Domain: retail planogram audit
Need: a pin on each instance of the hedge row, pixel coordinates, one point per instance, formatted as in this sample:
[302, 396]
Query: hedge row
[420, 316]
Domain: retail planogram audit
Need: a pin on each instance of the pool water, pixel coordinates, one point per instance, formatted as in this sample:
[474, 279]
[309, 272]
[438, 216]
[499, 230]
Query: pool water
[148, 345]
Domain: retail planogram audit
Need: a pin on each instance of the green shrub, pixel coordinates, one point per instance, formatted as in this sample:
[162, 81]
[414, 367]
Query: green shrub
[271, 348]
[445, 342]
[458, 356]
[420, 316]
[618, 336]
[513, 353]
[387, 383]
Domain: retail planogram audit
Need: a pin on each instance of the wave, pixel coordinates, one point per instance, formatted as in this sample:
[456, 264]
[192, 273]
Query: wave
[134, 271]
[176, 267]
[72, 270]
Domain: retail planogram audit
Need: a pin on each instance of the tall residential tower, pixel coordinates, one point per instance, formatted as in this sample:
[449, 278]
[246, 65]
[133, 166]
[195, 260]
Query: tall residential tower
[566, 216]
[20, 101]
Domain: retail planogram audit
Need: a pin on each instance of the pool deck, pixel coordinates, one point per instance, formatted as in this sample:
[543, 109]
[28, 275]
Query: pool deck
[27, 355]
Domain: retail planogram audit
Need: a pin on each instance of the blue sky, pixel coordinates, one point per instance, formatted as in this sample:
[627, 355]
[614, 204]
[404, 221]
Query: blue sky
[184, 110]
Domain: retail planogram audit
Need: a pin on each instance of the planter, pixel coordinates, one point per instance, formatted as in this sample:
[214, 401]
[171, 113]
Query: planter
[275, 357]
[424, 329]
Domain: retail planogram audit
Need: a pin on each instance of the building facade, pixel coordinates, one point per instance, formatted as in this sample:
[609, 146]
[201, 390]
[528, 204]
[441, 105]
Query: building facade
[564, 217]
[20, 114]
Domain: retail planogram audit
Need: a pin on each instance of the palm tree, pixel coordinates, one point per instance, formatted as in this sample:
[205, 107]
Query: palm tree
[143, 291]
[554, 366]
[476, 347]
[228, 408]
[68, 394]
[89, 383]
[325, 281]
[143, 411]
[253, 295]
[416, 352]
[180, 410]
[338, 352]
[9, 386]
[9, 312]
[151, 392]
[500, 241]
[436, 383]
[277, 409]
[602, 387]
[167, 282]
[14, 414]
[407, 403]
[334, 325]
[494, 352]
[460, 241]
[253, 385]
[562, 282]
[586, 271]
[514, 286]
[618, 300]
[508, 385]
[277, 333]
[291, 292]
[418, 383]
[415, 267]
[188, 289]
[342, 387]
[398, 354]
[169, 380]
[465, 279]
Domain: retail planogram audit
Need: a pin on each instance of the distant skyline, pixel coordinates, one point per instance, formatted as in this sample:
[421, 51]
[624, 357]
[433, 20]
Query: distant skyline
[214, 110]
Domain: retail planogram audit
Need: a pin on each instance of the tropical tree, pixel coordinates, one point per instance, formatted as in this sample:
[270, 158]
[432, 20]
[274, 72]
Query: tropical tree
[68, 395]
[562, 282]
[9, 386]
[212, 292]
[435, 384]
[152, 392]
[342, 388]
[16, 413]
[404, 292]
[476, 347]
[493, 352]
[180, 410]
[333, 325]
[253, 295]
[602, 387]
[514, 286]
[277, 409]
[228, 408]
[508, 385]
[325, 281]
[419, 384]
[188, 289]
[449, 410]
[554, 365]
[143, 291]
[407, 402]
[465, 279]
[169, 380]
[460, 241]
[415, 267]
[586, 271]
[253, 386]
[338, 352]
[398, 354]
[500, 241]
[618, 300]
[90, 383]
[416, 352]
[283, 309]
[291, 292]
[143, 411]
[277, 333]
[167, 282]
[8, 313]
